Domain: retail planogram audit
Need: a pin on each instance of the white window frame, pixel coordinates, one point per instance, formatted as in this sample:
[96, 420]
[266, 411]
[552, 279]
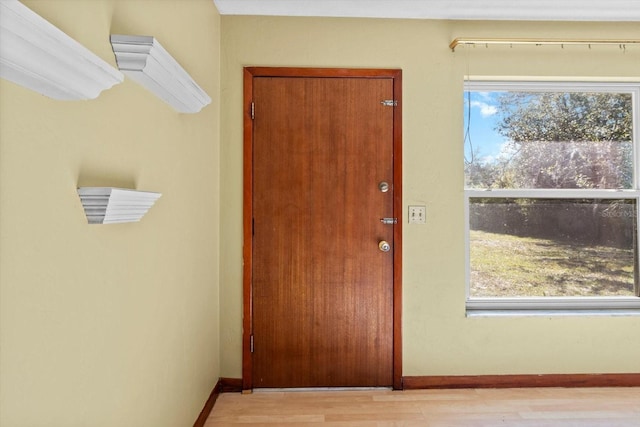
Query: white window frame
[623, 305]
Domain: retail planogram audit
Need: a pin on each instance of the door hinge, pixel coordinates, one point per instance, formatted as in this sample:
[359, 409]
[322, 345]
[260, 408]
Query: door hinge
[389, 103]
[253, 111]
[251, 343]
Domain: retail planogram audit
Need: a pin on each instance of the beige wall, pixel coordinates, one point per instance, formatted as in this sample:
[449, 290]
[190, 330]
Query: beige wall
[111, 325]
[438, 338]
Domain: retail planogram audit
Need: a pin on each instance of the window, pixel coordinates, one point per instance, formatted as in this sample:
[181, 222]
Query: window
[552, 191]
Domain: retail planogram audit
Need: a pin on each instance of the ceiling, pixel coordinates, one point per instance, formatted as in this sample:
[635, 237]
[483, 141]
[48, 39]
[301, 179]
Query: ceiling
[539, 10]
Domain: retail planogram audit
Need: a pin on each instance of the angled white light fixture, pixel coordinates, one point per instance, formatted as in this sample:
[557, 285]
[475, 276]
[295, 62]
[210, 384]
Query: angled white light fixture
[145, 60]
[108, 205]
[39, 56]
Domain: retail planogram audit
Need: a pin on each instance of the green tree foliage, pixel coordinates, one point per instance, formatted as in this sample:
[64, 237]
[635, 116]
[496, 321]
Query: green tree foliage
[565, 117]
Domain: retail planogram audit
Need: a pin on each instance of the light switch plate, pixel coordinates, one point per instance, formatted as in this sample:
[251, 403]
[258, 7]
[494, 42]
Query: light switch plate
[417, 214]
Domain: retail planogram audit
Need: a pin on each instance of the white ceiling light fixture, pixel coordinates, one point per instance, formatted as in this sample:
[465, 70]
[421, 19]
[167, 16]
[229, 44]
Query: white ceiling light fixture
[145, 60]
[108, 205]
[39, 56]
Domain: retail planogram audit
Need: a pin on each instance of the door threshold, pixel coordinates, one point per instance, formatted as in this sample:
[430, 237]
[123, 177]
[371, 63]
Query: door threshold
[303, 389]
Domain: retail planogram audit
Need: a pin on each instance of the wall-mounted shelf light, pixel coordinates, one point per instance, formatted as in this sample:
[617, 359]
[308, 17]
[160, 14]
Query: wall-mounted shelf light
[108, 205]
[145, 60]
[39, 56]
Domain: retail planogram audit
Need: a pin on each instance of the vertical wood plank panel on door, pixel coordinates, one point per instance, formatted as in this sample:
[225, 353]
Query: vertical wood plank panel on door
[322, 293]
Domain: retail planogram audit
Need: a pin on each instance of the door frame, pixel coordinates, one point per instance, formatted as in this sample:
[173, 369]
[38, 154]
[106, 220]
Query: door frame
[247, 226]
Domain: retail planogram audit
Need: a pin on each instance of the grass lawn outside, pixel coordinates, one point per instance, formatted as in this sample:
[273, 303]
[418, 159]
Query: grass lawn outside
[504, 265]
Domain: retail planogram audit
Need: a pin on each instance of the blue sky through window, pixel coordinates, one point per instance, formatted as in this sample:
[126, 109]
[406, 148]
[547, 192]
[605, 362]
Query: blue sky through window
[480, 118]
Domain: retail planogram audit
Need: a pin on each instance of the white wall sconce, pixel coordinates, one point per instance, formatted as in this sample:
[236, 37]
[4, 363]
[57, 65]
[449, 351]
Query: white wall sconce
[145, 60]
[108, 205]
[39, 56]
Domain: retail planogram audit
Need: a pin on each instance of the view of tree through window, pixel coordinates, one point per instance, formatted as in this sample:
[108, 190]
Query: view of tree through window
[544, 238]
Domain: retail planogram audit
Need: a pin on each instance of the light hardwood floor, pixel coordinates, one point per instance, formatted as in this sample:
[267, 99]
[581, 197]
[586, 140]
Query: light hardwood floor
[527, 407]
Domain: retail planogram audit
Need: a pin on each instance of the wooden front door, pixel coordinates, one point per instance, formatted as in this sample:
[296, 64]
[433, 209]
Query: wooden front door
[322, 180]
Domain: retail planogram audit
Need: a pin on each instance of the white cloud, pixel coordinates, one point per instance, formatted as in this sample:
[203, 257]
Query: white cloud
[485, 109]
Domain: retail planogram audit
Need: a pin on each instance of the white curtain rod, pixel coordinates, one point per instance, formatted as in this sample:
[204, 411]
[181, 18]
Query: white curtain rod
[538, 42]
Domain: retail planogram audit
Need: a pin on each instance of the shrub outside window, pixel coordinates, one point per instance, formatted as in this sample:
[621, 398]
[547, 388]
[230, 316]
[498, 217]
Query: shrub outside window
[551, 196]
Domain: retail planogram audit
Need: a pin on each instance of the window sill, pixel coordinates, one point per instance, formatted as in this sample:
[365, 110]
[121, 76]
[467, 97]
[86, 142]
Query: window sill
[553, 313]
[553, 306]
